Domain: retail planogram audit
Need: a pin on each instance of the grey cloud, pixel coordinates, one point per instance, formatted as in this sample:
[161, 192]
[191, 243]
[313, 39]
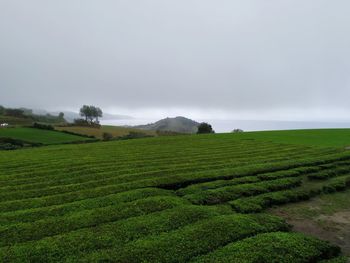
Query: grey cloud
[226, 55]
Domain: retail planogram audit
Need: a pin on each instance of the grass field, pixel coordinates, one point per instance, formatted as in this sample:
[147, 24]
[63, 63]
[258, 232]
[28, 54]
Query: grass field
[40, 136]
[115, 131]
[199, 198]
[320, 137]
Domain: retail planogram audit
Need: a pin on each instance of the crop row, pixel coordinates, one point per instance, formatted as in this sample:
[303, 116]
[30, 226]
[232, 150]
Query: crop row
[30, 215]
[88, 192]
[227, 193]
[76, 182]
[114, 188]
[190, 241]
[56, 174]
[121, 154]
[259, 202]
[21, 232]
[273, 247]
[103, 236]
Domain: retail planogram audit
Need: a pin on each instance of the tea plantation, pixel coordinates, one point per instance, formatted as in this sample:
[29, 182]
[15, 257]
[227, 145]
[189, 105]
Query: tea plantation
[197, 198]
[44, 137]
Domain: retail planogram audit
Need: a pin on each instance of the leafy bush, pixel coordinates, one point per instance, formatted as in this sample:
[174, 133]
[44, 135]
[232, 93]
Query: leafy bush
[258, 203]
[228, 193]
[273, 247]
[107, 136]
[134, 135]
[85, 123]
[190, 241]
[115, 234]
[43, 126]
[338, 184]
[205, 128]
[86, 218]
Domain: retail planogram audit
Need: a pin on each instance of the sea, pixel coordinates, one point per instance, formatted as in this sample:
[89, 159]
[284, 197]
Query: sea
[223, 126]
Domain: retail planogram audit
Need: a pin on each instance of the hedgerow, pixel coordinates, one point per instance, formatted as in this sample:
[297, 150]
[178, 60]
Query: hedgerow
[258, 203]
[77, 243]
[190, 241]
[50, 226]
[273, 247]
[228, 193]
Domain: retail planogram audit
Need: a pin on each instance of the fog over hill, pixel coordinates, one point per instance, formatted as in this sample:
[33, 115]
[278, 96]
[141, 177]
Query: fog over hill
[267, 58]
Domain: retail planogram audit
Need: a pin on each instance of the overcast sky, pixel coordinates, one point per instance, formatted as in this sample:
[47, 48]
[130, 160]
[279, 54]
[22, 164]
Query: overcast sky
[262, 59]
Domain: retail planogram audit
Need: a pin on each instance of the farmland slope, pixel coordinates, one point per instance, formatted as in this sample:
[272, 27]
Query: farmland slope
[194, 198]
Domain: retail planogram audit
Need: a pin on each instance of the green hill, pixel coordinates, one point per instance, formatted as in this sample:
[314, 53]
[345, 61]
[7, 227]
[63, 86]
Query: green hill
[177, 124]
[198, 198]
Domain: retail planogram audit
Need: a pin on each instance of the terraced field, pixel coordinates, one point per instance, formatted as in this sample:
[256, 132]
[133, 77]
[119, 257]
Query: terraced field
[167, 199]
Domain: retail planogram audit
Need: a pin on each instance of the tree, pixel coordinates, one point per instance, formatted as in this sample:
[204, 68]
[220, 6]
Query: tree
[15, 113]
[2, 110]
[90, 113]
[237, 130]
[85, 112]
[61, 116]
[205, 128]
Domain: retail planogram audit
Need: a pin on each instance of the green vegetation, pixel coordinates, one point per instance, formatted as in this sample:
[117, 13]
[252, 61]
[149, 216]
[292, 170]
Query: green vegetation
[320, 137]
[273, 247]
[40, 136]
[195, 198]
[114, 131]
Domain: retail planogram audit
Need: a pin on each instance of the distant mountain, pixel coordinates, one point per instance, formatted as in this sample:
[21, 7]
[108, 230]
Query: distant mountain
[177, 124]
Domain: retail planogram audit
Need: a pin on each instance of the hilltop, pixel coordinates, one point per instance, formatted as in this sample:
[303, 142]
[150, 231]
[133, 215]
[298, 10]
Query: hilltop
[178, 124]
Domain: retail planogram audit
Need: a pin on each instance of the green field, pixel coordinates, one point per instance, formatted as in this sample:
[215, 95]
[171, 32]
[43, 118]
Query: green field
[40, 136]
[200, 198]
[115, 131]
[319, 137]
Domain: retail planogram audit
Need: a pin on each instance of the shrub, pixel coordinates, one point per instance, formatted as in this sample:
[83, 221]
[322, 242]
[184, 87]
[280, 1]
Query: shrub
[190, 241]
[273, 247]
[258, 203]
[228, 193]
[205, 128]
[85, 123]
[115, 234]
[43, 126]
[134, 135]
[107, 136]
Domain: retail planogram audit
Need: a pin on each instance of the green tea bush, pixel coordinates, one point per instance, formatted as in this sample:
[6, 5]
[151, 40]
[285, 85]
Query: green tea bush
[273, 247]
[115, 234]
[190, 241]
[224, 194]
[258, 203]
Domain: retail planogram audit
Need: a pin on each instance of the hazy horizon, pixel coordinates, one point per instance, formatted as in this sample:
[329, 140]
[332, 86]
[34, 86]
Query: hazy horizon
[202, 59]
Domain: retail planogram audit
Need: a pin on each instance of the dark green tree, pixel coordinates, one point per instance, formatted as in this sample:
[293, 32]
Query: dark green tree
[90, 113]
[205, 128]
[2, 110]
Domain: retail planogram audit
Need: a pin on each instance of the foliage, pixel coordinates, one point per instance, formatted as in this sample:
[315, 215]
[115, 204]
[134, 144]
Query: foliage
[97, 132]
[43, 126]
[90, 113]
[273, 247]
[134, 135]
[237, 131]
[136, 200]
[107, 136]
[205, 128]
[41, 136]
[18, 113]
